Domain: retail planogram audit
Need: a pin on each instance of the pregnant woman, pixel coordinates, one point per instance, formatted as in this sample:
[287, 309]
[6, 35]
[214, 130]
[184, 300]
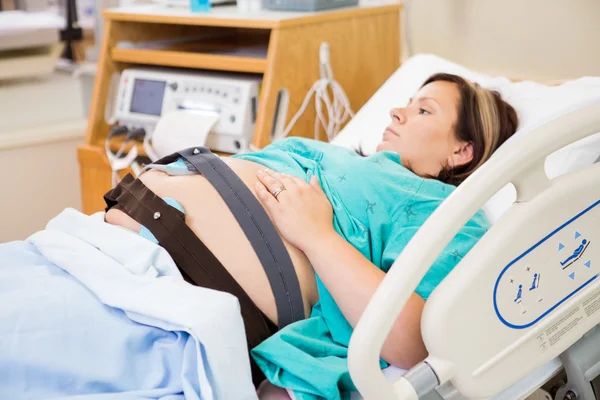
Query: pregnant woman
[302, 232]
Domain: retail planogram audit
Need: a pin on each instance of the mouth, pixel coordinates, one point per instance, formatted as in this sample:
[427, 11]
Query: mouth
[390, 131]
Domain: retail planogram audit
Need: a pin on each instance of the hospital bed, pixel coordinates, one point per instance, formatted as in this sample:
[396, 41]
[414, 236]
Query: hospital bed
[522, 306]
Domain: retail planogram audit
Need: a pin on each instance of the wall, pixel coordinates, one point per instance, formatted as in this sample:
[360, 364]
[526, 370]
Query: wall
[42, 121]
[535, 39]
[38, 181]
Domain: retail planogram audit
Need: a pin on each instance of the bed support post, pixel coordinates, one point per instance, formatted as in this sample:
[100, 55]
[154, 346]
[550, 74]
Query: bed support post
[582, 366]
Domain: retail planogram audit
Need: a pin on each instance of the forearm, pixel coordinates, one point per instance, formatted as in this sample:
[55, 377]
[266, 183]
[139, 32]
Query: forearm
[352, 280]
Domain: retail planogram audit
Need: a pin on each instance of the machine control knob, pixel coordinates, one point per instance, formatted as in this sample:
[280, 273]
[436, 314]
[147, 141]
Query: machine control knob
[173, 86]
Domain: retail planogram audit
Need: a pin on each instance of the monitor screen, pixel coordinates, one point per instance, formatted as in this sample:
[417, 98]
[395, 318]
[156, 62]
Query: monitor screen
[147, 96]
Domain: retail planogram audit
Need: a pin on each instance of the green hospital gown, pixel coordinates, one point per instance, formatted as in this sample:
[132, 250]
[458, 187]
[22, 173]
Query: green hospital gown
[378, 206]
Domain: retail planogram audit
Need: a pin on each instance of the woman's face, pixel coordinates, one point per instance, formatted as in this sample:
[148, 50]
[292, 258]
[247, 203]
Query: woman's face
[422, 133]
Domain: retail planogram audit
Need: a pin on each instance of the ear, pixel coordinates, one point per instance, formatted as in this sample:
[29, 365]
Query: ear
[462, 155]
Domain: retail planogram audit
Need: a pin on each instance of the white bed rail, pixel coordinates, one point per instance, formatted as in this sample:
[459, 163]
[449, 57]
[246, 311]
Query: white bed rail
[520, 162]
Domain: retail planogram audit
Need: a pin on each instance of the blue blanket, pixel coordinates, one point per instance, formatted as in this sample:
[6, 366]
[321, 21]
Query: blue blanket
[59, 339]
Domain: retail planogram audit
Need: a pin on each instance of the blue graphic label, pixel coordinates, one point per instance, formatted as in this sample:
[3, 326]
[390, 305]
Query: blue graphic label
[535, 282]
[519, 294]
[577, 253]
[521, 298]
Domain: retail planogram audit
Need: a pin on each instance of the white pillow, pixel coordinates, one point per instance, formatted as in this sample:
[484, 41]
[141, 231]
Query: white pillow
[535, 104]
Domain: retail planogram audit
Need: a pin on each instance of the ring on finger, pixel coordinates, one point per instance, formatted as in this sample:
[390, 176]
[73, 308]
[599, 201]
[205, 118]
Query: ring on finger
[277, 192]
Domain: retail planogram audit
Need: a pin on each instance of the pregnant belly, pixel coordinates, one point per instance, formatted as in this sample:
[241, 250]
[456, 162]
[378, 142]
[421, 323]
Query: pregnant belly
[210, 219]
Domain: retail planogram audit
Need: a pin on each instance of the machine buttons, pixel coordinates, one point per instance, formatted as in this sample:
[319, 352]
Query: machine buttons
[519, 299]
[533, 288]
[548, 273]
[576, 254]
[526, 288]
[173, 86]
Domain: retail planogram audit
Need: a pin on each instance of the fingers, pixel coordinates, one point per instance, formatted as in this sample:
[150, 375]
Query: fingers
[314, 182]
[275, 180]
[266, 198]
[270, 182]
[286, 180]
[298, 181]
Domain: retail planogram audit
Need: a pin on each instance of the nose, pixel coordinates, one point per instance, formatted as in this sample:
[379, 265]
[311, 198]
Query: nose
[397, 115]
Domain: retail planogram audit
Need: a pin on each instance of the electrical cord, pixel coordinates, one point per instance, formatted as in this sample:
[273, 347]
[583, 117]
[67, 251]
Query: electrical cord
[116, 160]
[337, 106]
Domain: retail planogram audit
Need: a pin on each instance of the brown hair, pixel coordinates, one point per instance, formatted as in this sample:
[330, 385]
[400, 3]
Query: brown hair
[484, 119]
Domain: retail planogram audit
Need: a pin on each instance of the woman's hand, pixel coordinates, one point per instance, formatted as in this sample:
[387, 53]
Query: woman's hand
[301, 211]
[304, 216]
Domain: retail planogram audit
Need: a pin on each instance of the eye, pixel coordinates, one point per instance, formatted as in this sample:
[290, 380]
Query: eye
[424, 111]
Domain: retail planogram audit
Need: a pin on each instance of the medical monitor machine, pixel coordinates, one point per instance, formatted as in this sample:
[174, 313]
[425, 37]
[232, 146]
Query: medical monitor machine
[224, 105]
